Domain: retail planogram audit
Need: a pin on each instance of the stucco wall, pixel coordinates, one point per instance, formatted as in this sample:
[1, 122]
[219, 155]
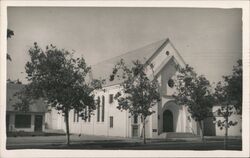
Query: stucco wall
[54, 120]
[120, 119]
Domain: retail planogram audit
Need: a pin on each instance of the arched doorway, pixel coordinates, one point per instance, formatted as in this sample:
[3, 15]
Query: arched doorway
[168, 125]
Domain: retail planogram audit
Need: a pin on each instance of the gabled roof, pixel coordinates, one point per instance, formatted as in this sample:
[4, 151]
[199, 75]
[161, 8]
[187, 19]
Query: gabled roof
[104, 69]
[12, 88]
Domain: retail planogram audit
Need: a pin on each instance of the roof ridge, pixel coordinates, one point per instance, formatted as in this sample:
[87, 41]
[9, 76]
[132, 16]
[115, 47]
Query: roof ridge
[132, 51]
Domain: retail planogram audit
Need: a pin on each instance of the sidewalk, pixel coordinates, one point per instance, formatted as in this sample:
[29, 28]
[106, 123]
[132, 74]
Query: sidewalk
[103, 142]
[116, 143]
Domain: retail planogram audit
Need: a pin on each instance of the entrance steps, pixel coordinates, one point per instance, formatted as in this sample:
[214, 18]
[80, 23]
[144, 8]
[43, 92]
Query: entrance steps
[173, 135]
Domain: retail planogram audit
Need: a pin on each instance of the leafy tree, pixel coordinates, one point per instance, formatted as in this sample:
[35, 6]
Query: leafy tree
[230, 90]
[9, 34]
[229, 95]
[59, 79]
[194, 91]
[138, 93]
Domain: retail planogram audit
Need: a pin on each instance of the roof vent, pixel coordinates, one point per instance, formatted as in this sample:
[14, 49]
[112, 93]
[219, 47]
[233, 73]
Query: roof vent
[167, 52]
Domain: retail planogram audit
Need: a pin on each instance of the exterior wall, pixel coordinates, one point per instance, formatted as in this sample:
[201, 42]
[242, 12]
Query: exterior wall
[54, 120]
[159, 61]
[233, 130]
[165, 68]
[154, 123]
[12, 128]
[182, 120]
[121, 120]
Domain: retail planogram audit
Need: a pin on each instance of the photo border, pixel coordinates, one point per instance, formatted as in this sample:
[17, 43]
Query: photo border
[127, 153]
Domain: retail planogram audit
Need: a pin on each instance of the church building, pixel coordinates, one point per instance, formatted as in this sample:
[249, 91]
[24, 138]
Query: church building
[110, 121]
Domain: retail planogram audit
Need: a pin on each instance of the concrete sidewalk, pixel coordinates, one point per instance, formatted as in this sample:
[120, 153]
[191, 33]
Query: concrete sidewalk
[97, 142]
[129, 145]
[94, 138]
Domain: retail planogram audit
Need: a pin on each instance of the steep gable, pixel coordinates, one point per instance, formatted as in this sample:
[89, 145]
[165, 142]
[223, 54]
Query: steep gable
[153, 53]
[104, 69]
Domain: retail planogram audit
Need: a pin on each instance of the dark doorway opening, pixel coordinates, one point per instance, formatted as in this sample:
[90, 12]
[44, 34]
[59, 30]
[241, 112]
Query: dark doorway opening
[38, 123]
[168, 123]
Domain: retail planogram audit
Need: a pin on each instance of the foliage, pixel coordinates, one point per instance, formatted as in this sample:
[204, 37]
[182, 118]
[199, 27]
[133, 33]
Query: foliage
[24, 103]
[14, 81]
[194, 91]
[59, 79]
[225, 113]
[138, 93]
[229, 92]
[9, 34]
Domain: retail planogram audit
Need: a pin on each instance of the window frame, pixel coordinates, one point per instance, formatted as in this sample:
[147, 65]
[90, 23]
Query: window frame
[98, 108]
[111, 121]
[111, 98]
[21, 122]
[103, 108]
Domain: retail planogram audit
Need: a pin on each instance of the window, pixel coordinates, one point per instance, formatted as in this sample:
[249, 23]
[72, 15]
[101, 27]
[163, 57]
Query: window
[98, 109]
[89, 118]
[76, 116]
[85, 114]
[135, 119]
[23, 121]
[171, 83]
[111, 121]
[89, 114]
[103, 108]
[111, 98]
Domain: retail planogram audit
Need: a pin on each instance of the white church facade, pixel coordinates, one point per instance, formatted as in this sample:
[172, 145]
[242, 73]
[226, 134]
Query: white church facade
[110, 121]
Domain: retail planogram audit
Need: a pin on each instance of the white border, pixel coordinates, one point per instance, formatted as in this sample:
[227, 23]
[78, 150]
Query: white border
[126, 153]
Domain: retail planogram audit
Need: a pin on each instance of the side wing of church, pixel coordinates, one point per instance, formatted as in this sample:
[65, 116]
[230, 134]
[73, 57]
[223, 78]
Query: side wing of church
[169, 118]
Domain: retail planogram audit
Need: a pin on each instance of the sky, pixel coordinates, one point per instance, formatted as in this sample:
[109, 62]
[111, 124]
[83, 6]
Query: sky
[210, 40]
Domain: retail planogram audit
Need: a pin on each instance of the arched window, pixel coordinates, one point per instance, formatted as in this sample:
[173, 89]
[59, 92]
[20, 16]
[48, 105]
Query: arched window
[98, 109]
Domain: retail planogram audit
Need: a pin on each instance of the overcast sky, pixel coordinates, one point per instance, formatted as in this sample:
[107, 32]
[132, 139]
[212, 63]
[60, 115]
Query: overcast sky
[210, 40]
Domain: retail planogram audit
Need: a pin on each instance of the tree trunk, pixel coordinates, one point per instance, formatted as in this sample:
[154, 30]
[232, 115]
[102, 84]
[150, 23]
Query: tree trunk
[144, 135]
[67, 126]
[226, 129]
[202, 130]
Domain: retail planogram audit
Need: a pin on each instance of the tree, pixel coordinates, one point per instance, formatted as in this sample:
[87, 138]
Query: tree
[59, 79]
[138, 93]
[194, 91]
[229, 95]
[9, 34]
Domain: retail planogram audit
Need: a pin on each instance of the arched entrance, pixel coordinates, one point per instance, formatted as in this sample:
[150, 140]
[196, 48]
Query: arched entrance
[168, 122]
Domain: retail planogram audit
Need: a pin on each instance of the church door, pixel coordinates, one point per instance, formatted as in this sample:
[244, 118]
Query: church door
[168, 123]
